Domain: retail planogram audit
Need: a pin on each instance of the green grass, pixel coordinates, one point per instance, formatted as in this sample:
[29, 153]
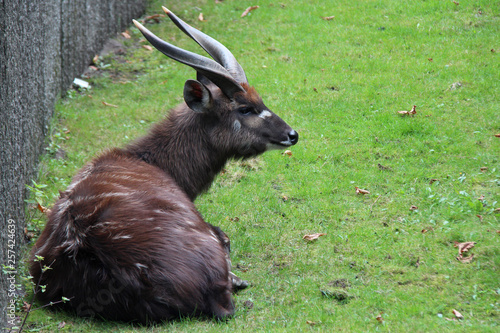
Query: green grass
[378, 257]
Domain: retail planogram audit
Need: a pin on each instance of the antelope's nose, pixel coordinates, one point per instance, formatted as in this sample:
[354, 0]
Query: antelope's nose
[293, 136]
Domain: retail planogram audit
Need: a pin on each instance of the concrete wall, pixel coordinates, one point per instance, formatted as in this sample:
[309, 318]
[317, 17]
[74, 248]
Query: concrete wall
[44, 45]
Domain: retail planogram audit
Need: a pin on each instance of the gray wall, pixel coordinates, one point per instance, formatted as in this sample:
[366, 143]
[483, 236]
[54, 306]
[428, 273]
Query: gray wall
[44, 45]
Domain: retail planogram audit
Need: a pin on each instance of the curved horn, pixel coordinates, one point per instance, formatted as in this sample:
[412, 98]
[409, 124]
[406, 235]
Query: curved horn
[207, 67]
[216, 50]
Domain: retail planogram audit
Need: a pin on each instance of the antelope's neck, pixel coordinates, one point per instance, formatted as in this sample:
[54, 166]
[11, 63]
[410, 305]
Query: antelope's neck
[179, 146]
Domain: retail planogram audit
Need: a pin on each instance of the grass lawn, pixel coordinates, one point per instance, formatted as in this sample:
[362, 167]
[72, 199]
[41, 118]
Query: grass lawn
[387, 261]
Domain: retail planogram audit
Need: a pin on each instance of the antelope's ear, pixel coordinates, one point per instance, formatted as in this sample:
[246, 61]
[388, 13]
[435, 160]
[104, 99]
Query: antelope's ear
[197, 96]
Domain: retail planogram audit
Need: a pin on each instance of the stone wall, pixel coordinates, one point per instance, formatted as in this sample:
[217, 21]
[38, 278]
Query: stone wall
[44, 45]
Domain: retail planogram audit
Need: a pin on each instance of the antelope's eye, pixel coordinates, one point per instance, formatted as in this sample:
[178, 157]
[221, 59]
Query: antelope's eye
[245, 110]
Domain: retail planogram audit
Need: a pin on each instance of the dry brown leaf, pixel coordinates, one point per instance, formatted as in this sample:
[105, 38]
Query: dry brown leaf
[409, 113]
[61, 324]
[497, 210]
[248, 304]
[379, 318]
[201, 18]
[413, 110]
[456, 3]
[95, 59]
[288, 152]
[310, 322]
[41, 208]
[457, 314]
[413, 207]
[148, 47]
[361, 191]
[465, 260]
[248, 10]
[483, 169]
[155, 17]
[497, 135]
[424, 231]
[26, 306]
[464, 247]
[125, 34]
[284, 198]
[481, 198]
[480, 217]
[328, 18]
[433, 180]
[110, 105]
[312, 237]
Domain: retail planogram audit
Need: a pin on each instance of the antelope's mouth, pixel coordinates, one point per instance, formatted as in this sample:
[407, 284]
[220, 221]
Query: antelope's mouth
[279, 145]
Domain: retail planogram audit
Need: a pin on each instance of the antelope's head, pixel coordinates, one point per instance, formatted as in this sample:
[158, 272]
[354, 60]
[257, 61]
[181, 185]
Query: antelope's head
[235, 116]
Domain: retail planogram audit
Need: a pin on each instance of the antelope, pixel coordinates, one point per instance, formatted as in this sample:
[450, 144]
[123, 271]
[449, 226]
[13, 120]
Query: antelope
[124, 241]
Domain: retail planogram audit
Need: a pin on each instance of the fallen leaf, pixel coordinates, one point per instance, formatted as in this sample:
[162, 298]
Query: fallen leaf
[288, 152]
[26, 306]
[41, 208]
[497, 135]
[248, 304]
[433, 180]
[313, 236]
[155, 17]
[457, 314]
[379, 318]
[125, 34]
[381, 167]
[95, 59]
[456, 3]
[430, 59]
[427, 230]
[413, 110]
[481, 198]
[464, 247]
[497, 210]
[27, 234]
[409, 113]
[200, 18]
[480, 217]
[316, 90]
[483, 169]
[148, 47]
[465, 260]
[361, 191]
[310, 322]
[417, 264]
[248, 10]
[61, 324]
[110, 105]
[413, 207]
[328, 18]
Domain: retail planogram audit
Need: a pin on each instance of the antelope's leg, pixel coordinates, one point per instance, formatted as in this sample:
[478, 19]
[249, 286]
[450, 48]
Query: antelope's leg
[236, 282]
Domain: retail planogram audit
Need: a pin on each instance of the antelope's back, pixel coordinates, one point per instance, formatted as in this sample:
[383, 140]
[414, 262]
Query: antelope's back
[125, 227]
